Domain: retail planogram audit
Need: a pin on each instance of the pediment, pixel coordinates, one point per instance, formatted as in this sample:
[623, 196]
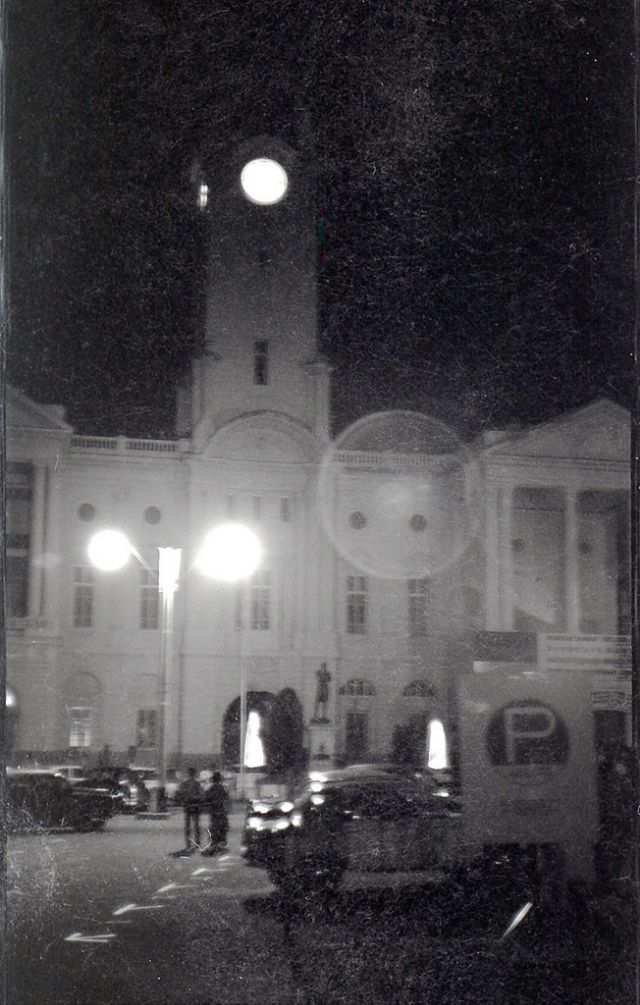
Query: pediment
[600, 431]
[265, 437]
[24, 414]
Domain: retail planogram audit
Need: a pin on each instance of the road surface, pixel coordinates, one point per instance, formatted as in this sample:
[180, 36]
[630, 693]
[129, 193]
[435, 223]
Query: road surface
[112, 918]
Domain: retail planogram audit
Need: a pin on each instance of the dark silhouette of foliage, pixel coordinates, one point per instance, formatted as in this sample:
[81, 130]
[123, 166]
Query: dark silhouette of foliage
[409, 739]
[284, 734]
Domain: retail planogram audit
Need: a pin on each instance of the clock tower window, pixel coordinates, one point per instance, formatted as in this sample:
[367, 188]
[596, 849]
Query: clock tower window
[261, 362]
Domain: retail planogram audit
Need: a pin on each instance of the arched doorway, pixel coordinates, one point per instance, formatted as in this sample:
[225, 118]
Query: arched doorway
[258, 702]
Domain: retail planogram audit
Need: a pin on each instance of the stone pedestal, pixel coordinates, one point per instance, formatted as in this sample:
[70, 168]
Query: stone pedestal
[321, 744]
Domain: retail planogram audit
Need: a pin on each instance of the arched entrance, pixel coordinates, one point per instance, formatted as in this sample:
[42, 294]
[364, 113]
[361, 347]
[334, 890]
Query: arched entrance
[258, 702]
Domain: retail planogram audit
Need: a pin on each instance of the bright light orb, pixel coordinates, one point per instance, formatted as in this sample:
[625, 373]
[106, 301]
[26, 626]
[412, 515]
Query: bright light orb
[264, 181]
[109, 550]
[230, 553]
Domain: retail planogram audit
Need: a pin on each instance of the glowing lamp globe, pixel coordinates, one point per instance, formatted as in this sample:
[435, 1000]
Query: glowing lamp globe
[109, 550]
[230, 553]
[264, 181]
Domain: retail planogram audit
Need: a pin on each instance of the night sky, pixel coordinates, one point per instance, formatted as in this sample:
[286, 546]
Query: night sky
[474, 186]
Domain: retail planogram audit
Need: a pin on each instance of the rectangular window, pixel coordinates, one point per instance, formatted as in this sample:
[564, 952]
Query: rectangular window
[146, 727]
[285, 509]
[261, 362]
[149, 599]
[82, 596]
[418, 595]
[256, 508]
[260, 600]
[80, 727]
[17, 583]
[18, 537]
[356, 605]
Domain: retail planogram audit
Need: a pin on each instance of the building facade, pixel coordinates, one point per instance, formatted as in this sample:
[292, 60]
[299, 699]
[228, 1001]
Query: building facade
[396, 555]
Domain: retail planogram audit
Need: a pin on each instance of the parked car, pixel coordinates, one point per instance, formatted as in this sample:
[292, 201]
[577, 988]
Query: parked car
[44, 800]
[72, 772]
[149, 777]
[126, 789]
[365, 818]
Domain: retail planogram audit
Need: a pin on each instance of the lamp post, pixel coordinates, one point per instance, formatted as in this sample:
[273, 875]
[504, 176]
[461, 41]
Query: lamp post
[168, 573]
[230, 553]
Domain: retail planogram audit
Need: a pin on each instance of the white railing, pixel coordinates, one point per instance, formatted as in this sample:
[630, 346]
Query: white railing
[17, 624]
[393, 459]
[121, 444]
[94, 443]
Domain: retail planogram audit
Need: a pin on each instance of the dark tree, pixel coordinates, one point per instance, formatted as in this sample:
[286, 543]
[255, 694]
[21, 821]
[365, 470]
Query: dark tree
[408, 740]
[284, 734]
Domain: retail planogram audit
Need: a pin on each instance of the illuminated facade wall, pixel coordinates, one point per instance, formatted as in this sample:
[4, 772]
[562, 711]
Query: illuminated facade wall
[83, 645]
[383, 555]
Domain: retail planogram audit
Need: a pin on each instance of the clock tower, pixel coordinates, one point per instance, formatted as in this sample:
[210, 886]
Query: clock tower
[259, 350]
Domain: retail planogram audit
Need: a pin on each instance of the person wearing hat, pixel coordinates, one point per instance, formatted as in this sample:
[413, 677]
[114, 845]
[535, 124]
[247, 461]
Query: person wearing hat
[216, 802]
[189, 796]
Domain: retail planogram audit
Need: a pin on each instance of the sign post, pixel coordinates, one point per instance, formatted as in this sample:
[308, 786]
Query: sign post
[527, 761]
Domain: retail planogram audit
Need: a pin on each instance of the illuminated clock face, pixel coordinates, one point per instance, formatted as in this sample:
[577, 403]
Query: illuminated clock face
[264, 181]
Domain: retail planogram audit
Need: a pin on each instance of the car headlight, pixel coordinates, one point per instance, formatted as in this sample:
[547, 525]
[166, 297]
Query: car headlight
[255, 823]
[258, 807]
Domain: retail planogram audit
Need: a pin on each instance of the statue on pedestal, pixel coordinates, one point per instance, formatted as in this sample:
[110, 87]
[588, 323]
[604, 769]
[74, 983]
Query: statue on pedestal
[323, 678]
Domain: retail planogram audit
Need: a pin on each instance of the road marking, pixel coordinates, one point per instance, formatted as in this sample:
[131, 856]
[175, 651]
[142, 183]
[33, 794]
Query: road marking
[79, 937]
[172, 886]
[518, 917]
[137, 907]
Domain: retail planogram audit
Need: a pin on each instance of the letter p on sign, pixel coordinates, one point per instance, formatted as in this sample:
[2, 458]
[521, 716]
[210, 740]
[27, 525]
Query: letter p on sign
[524, 723]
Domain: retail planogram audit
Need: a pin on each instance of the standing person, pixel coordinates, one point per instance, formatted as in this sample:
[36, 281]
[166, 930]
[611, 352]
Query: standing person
[216, 799]
[189, 796]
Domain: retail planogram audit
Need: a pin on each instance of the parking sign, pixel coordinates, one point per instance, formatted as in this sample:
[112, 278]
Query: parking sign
[527, 760]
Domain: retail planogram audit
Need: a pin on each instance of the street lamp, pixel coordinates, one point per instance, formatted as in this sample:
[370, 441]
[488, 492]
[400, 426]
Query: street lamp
[230, 553]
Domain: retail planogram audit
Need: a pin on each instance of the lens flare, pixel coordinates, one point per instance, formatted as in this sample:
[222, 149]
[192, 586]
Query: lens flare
[397, 495]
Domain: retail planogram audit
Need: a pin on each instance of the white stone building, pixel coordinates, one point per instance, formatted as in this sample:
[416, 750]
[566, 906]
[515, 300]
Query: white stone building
[396, 556]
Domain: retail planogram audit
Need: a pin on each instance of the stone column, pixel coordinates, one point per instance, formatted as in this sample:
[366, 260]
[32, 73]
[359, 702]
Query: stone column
[571, 572]
[492, 558]
[37, 549]
[53, 547]
[507, 584]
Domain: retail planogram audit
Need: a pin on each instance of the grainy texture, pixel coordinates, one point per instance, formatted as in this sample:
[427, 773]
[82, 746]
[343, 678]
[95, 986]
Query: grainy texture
[474, 189]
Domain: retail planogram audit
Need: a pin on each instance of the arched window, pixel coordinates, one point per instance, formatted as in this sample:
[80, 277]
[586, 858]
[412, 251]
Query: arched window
[419, 688]
[357, 686]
